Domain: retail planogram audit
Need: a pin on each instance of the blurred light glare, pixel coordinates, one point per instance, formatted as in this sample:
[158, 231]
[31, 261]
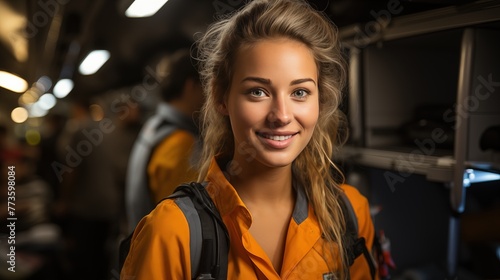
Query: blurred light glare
[93, 62]
[27, 98]
[43, 84]
[144, 8]
[34, 122]
[96, 112]
[19, 115]
[12, 82]
[33, 137]
[47, 101]
[472, 176]
[63, 88]
[35, 111]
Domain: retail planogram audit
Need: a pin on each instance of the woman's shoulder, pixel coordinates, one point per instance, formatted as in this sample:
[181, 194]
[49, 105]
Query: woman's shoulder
[358, 201]
[165, 219]
[160, 245]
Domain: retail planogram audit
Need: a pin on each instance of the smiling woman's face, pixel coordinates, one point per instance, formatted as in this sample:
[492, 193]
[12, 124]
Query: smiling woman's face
[273, 103]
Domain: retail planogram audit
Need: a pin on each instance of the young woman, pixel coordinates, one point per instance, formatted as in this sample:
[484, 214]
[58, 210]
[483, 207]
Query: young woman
[273, 75]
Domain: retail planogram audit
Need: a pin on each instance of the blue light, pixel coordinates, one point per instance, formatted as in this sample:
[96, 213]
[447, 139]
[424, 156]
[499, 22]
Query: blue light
[472, 176]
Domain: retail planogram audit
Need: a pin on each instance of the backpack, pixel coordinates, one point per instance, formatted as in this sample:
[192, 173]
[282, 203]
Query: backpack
[210, 239]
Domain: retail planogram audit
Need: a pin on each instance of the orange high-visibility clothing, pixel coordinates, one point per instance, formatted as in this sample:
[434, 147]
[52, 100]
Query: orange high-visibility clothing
[160, 245]
[170, 164]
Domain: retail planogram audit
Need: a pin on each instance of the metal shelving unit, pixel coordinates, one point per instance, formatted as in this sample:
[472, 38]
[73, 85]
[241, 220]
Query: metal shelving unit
[473, 30]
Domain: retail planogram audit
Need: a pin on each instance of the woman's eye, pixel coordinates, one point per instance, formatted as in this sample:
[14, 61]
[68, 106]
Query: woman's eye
[257, 93]
[301, 93]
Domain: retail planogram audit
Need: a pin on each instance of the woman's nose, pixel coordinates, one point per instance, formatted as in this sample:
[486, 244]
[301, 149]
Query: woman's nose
[280, 113]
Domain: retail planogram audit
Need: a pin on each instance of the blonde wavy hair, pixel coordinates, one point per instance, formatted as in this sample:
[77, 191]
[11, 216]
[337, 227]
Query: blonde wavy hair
[313, 168]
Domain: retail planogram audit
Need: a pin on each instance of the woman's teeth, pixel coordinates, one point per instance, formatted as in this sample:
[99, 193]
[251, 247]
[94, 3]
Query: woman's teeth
[277, 137]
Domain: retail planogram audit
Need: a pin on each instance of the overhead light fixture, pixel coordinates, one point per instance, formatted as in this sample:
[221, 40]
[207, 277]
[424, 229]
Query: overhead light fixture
[13, 29]
[12, 82]
[63, 87]
[144, 8]
[93, 62]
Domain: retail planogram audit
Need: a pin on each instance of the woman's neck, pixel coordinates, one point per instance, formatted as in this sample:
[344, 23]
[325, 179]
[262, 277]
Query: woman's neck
[259, 184]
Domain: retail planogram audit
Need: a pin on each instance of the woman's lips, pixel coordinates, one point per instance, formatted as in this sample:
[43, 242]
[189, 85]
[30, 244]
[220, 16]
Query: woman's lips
[276, 141]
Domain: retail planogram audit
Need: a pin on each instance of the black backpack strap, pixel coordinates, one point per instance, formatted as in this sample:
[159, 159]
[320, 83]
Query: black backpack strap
[208, 234]
[355, 245]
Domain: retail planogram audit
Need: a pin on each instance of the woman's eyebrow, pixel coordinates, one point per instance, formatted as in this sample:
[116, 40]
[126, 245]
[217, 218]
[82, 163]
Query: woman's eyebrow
[257, 79]
[268, 81]
[300, 81]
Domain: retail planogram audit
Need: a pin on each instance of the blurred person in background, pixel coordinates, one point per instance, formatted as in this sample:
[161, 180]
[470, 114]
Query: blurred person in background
[89, 199]
[127, 113]
[128, 118]
[53, 128]
[165, 150]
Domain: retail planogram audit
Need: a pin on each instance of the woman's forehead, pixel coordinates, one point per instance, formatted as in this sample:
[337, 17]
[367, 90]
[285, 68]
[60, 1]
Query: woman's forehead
[275, 57]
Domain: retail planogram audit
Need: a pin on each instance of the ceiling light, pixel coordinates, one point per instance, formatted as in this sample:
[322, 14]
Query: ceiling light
[19, 115]
[144, 8]
[93, 62]
[13, 29]
[12, 82]
[63, 88]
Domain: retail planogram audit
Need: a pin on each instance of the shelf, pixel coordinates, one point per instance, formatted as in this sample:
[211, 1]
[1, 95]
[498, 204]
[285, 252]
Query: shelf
[434, 168]
[404, 161]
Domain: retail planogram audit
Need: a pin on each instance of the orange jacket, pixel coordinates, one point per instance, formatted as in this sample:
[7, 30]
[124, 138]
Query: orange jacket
[170, 164]
[160, 245]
